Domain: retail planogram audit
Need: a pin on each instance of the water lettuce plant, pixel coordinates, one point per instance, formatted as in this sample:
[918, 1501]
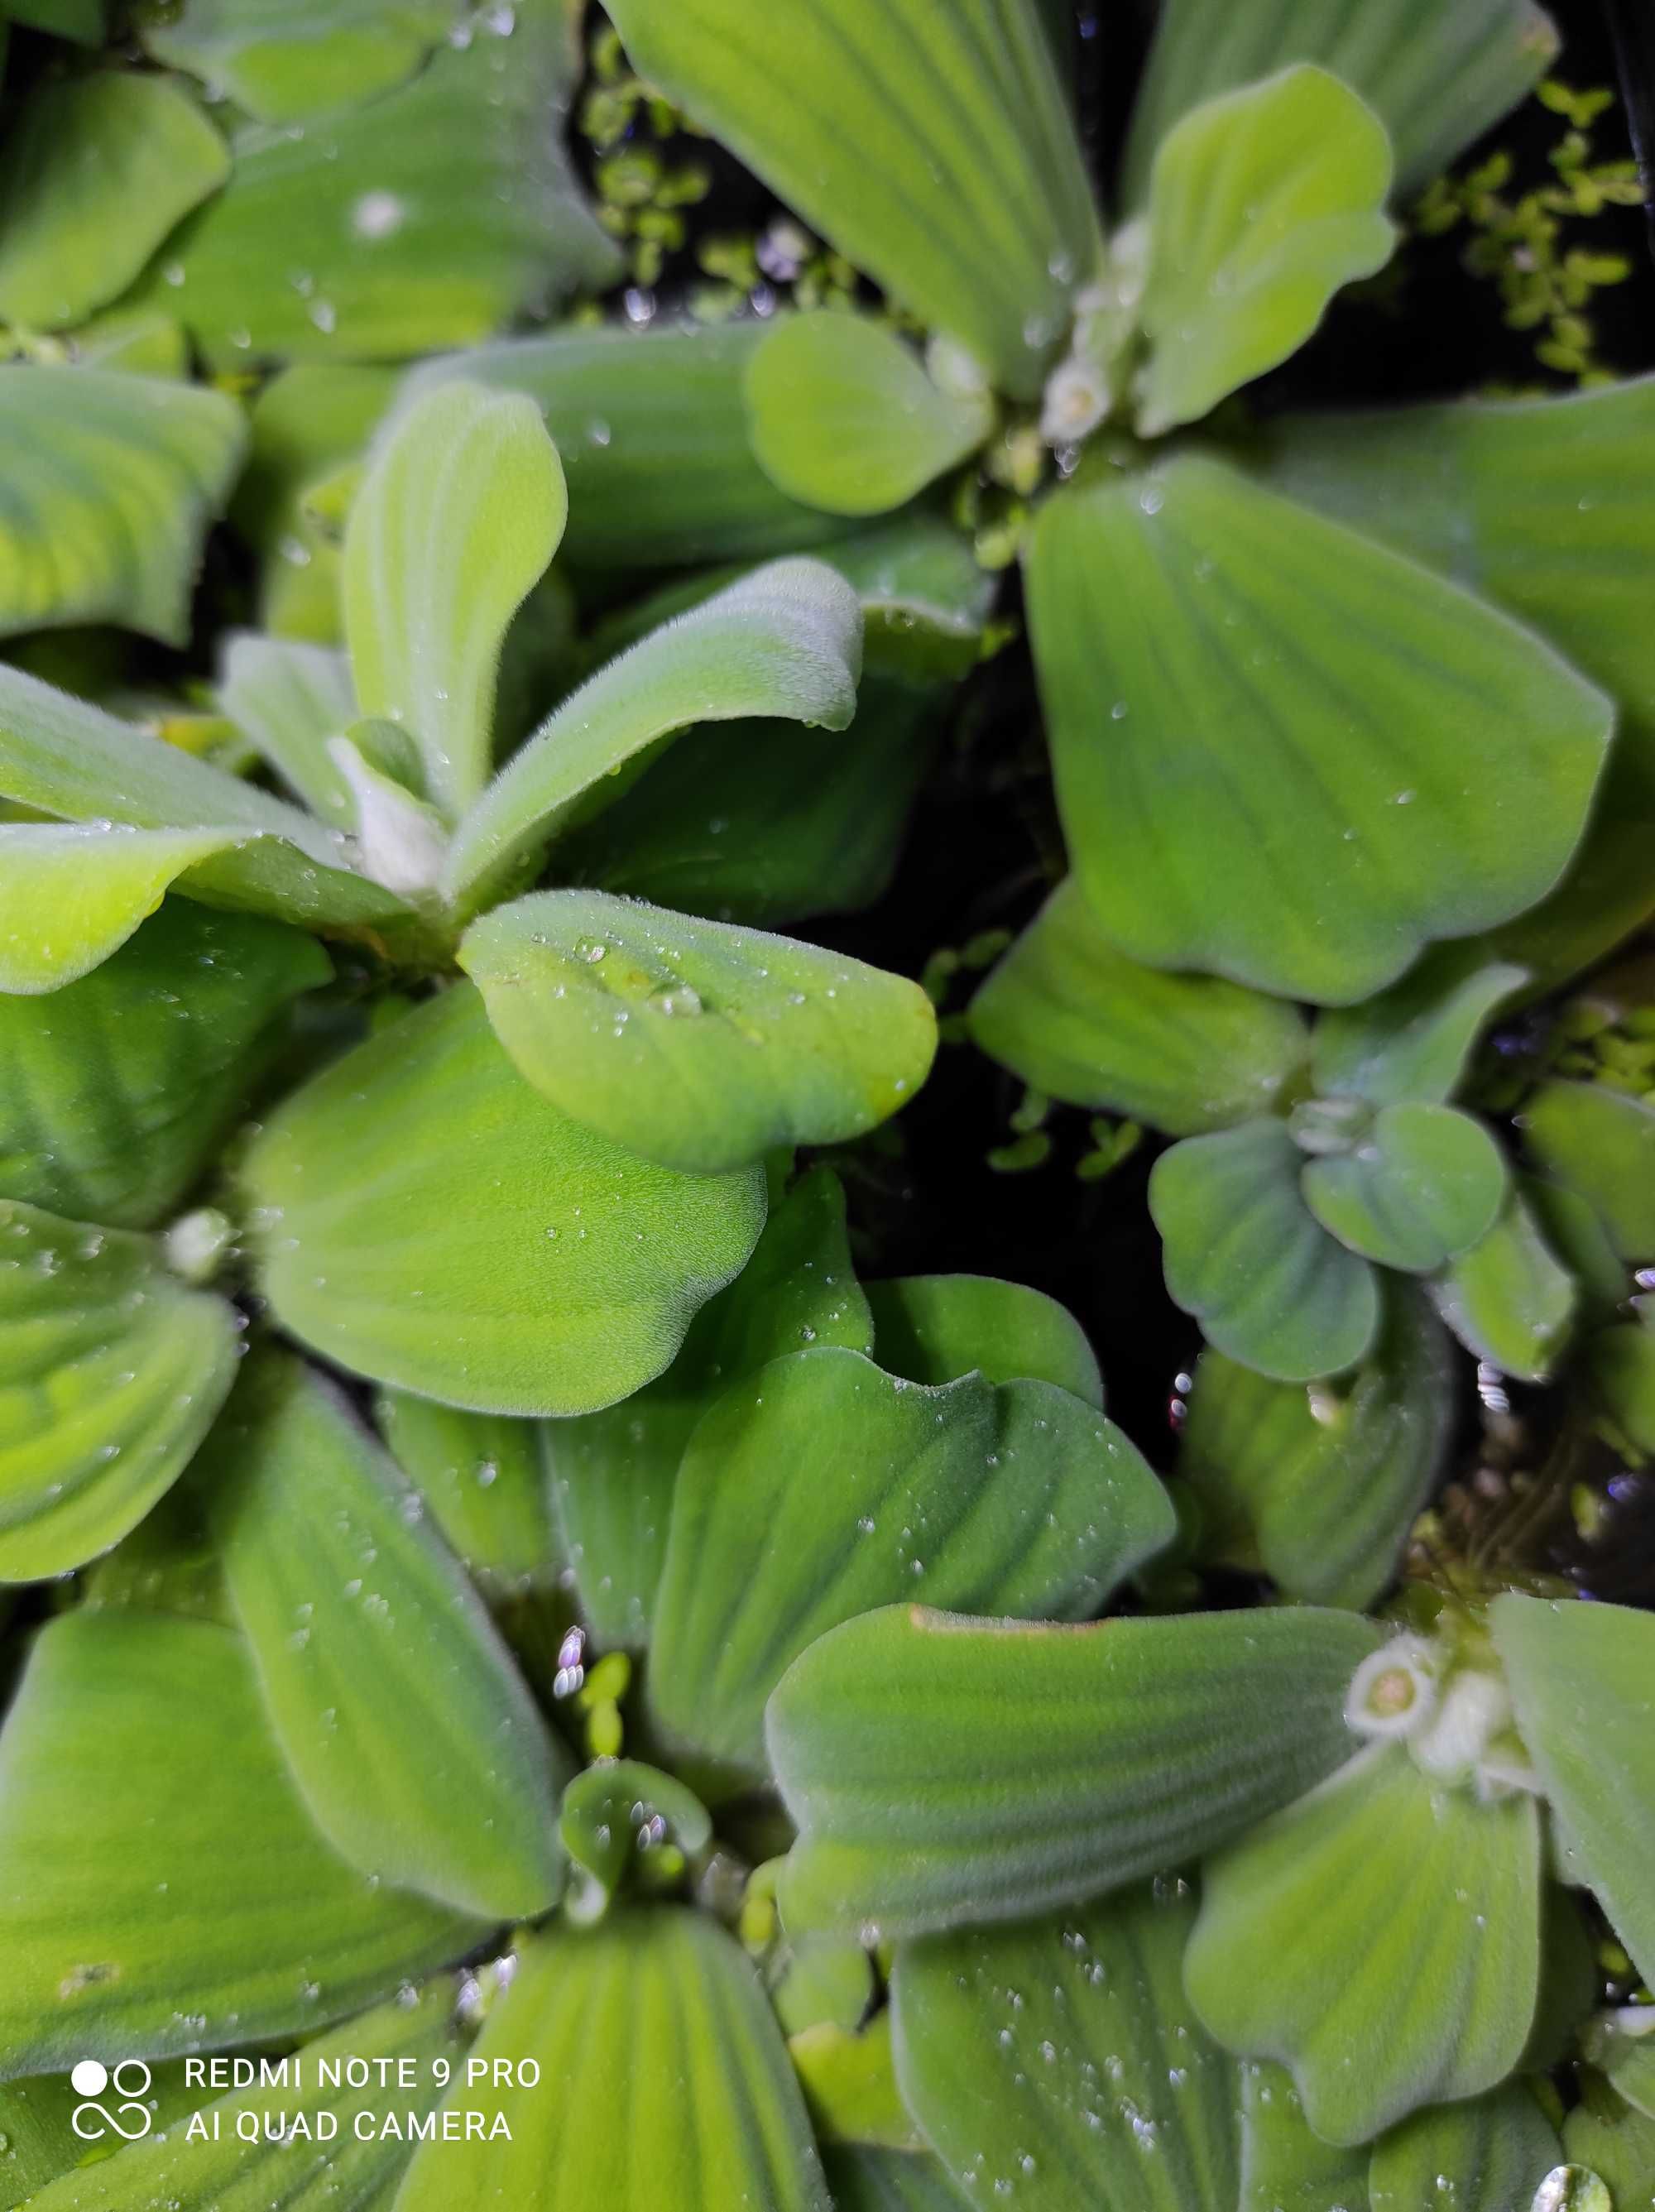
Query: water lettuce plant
[576, 1629]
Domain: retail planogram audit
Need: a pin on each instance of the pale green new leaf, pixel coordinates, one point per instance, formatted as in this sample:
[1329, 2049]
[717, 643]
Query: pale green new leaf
[110, 481]
[1412, 1043]
[404, 1721]
[1263, 202]
[1488, 2154]
[282, 60]
[1080, 1021]
[1421, 1984]
[942, 1769]
[1422, 1187]
[1284, 754]
[266, 2147]
[1437, 76]
[269, 1934]
[609, 1811]
[1245, 1254]
[844, 416]
[1600, 1144]
[459, 516]
[672, 2082]
[96, 171]
[934, 1328]
[1319, 1486]
[824, 1488]
[289, 698]
[535, 1268]
[111, 1372]
[786, 641]
[1509, 1299]
[696, 1044]
[429, 217]
[484, 1482]
[612, 1471]
[933, 146]
[1583, 1681]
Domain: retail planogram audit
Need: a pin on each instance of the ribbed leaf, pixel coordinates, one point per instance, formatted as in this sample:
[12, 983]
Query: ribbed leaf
[1080, 1021]
[116, 1091]
[458, 518]
[1244, 1254]
[260, 2147]
[1262, 203]
[824, 1488]
[264, 1932]
[1489, 2155]
[284, 59]
[484, 1482]
[427, 218]
[934, 1328]
[111, 1372]
[1601, 1144]
[1420, 1985]
[410, 1734]
[696, 1044]
[1508, 1299]
[934, 148]
[111, 481]
[1319, 1486]
[672, 2082]
[1582, 1681]
[942, 1769]
[535, 1268]
[1424, 1185]
[96, 171]
[844, 416]
[1412, 1043]
[613, 1471]
[1437, 76]
[287, 699]
[786, 641]
[1284, 754]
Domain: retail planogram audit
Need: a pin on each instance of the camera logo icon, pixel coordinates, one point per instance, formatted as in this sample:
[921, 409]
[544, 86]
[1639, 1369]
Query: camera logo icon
[92, 2120]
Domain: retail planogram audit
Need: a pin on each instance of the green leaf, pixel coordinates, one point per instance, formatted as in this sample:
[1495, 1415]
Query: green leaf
[428, 217]
[1621, 1362]
[824, 1488]
[1420, 1985]
[1534, 504]
[941, 1769]
[1508, 1299]
[1283, 753]
[288, 700]
[1600, 1144]
[282, 60]
[1318, 1487]
[934, 150]
[696, 1044]
[1080, 1021]
[1615, 2144]
[850, 2082]
[1422, 1186]
[1490, 2154]
[1581, 1678]
[1059, 2062]
[844, 417]
[934, 1328]
[1262, 203]
[110, 481]
[265, 1933]
[116, 1092]
[409, 1732]
[82, 21]
[1436, 76]
[457, 519]
[612, 1471]
[111, 1372]
[865, 2180]
[261, 2147]
[622, 1806]
[1412, 1043]
[786, 640]
[535, 1268]
[1245, 1256]
[484, 1482]
[96, 171]
[672, 2085]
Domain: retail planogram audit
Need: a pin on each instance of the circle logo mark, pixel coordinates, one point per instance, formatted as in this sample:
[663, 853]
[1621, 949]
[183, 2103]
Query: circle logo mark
[92, 2120]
